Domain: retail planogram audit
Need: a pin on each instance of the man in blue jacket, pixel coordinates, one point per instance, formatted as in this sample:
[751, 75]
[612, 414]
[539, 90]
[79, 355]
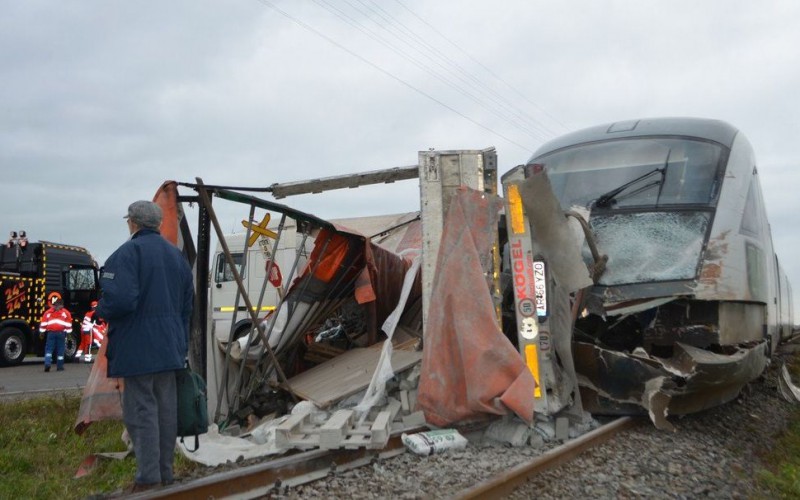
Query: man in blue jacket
[147, 302]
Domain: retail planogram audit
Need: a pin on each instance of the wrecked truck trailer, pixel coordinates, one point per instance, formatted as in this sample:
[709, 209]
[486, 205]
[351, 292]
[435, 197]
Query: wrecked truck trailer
[691, 300]
[370, 265]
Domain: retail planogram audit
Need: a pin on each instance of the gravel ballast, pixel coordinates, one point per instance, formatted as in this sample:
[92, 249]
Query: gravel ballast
[713, 454]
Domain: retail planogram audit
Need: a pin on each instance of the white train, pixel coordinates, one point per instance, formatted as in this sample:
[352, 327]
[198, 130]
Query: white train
[693, 299]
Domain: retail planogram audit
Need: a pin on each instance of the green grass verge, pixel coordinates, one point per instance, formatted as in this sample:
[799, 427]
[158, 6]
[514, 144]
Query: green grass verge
[781, 473]
[40, 452]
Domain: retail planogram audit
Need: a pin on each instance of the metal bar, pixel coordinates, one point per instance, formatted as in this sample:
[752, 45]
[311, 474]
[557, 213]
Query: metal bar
[204, 196]
[270, 263]
[258, 480]
[265, 371]
[239, 291]
[201, 299]
[258, 369]
[386, 176]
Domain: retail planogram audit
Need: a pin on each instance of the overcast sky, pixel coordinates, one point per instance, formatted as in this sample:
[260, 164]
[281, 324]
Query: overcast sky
[101, 101]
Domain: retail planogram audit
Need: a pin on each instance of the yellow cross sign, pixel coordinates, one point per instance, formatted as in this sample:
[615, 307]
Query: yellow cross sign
[259, 229]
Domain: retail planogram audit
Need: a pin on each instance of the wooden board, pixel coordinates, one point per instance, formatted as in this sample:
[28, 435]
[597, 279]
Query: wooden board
[346, 374]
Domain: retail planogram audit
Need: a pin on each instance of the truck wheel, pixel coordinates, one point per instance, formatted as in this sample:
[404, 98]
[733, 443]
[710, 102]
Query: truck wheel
[243, 330]
[12, 346]
[71, 343]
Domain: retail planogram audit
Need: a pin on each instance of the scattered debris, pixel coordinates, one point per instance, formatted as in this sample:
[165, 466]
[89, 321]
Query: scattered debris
[433, 442]
[788, 390]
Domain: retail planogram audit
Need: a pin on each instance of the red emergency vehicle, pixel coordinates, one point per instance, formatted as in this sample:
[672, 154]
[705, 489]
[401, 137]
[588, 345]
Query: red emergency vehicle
[28, 273]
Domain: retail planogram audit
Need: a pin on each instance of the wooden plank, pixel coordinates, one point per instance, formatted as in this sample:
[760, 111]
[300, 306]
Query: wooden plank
[346, 374]
[285, 430]
[333, 432]
[380, 430]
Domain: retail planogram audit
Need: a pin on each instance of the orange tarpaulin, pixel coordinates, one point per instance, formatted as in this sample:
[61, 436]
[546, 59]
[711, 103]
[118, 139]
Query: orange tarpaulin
[470, 370]
[167, 198]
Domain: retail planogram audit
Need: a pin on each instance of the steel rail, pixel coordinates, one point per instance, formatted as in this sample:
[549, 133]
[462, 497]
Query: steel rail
[504, 484]
[261, 479]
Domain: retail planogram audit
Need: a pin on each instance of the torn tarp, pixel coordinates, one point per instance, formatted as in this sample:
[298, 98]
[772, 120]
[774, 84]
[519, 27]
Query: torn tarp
[102, 396]
[470, 370]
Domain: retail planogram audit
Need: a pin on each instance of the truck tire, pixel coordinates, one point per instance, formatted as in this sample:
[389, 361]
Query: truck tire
[242, 331]
[71, 343]
[12, 346]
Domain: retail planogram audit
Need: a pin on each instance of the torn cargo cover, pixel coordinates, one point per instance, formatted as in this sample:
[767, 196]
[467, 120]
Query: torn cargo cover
[470, 370]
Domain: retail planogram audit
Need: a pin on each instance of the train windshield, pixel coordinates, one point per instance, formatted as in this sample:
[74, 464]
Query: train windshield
[636, 172]
[651, 202]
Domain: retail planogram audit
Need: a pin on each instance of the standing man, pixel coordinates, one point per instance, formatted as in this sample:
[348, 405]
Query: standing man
[56, 323]
[147, 302]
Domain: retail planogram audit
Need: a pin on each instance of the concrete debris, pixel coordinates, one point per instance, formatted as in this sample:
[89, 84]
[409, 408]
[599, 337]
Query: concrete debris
[514, 432]
[307, 426]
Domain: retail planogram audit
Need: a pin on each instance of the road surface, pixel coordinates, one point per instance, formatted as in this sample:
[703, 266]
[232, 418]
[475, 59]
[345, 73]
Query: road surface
[29, 378]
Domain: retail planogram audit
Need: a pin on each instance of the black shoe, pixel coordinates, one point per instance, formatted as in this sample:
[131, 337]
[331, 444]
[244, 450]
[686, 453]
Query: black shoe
[138, 487]
[59, 369]
[47, 368]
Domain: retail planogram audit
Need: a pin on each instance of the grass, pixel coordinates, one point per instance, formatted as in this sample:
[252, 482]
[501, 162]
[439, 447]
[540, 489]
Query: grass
[40, 452]
[781, 473]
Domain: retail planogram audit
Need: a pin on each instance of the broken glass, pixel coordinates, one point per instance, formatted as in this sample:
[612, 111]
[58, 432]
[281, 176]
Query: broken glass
[649, 246]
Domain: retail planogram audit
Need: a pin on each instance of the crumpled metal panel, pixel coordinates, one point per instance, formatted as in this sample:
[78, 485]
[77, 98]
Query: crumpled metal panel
[691, 380]
[553, 234]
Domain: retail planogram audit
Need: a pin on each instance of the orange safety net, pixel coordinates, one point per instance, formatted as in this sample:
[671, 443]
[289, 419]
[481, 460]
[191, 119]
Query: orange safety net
[470, 370]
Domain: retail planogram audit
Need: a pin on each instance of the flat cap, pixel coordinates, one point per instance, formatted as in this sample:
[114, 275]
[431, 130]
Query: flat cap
[145, 214]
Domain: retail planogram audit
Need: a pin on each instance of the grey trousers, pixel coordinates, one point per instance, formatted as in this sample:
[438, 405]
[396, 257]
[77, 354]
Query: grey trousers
[150, 413]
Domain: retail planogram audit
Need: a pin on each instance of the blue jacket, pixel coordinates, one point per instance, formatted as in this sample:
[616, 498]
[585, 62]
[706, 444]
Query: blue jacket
[147, 302]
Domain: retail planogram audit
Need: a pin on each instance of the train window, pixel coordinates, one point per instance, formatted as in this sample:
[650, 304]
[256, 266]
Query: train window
[750, 215]
[756, 275]
[649, 246]
[636, 172]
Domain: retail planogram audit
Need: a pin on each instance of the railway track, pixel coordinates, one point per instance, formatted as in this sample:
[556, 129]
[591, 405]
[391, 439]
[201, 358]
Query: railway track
[504, 484]
[276, 475]
[262, 479]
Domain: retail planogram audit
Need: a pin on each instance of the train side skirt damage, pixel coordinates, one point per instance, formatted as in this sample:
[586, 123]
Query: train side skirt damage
[692, 380]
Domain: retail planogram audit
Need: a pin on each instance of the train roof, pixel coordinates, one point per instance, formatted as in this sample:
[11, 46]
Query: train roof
[703, 128]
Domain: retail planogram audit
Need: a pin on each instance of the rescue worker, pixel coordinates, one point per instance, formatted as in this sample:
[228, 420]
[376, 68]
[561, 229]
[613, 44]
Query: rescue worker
[87, 328]
[98, 332]
[56, 324]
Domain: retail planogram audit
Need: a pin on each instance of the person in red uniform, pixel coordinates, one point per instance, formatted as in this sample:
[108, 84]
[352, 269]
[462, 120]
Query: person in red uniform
[98, 333]
[56, 324]
[86, 334]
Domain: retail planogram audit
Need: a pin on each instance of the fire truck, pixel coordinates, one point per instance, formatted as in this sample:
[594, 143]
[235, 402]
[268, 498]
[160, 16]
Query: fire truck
[28, 273]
